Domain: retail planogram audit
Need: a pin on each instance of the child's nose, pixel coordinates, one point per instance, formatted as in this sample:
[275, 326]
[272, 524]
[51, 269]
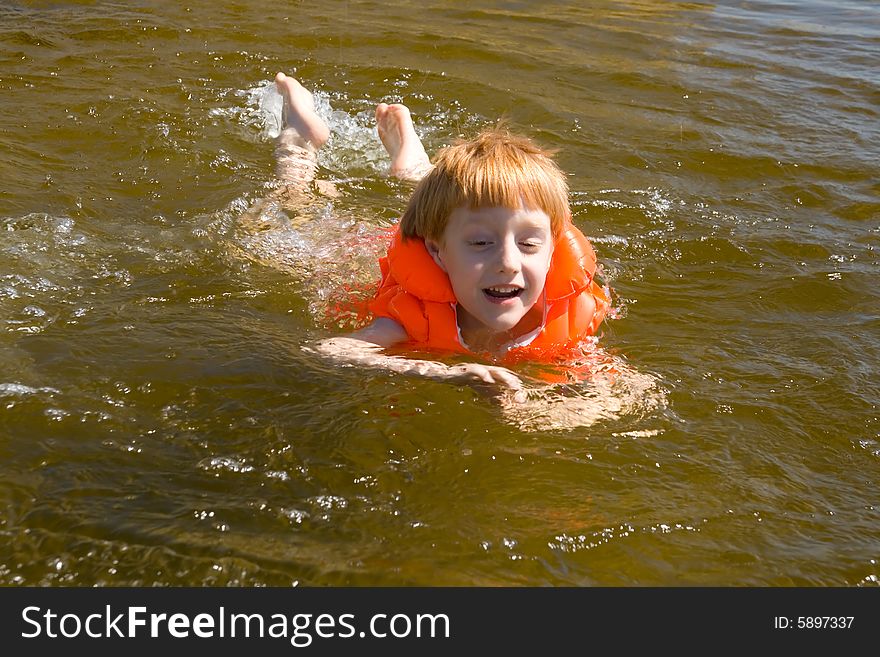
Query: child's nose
[509, 257]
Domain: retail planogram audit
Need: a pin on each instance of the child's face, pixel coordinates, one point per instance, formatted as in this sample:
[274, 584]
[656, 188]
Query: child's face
[497, 261]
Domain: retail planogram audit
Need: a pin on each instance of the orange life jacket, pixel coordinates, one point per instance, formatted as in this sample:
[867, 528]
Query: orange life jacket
[417, 294]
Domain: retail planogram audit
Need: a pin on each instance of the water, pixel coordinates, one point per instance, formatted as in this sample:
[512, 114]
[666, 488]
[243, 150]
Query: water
[160, 422]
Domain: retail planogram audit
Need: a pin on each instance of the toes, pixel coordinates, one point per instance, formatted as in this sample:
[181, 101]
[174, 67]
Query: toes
[381, 113]
[400, 112]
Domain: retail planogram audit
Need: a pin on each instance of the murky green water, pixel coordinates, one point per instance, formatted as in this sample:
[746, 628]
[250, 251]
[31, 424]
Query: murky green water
[161, 424]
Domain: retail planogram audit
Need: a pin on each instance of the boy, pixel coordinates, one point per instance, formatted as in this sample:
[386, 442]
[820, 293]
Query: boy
[485, 260]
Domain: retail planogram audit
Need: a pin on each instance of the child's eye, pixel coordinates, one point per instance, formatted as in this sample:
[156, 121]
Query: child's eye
[479, 242]
[531, 245]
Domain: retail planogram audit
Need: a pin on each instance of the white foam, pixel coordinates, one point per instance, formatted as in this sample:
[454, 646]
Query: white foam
[20, 390]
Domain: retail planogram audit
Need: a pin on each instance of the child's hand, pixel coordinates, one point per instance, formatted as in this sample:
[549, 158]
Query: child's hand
[485, 373]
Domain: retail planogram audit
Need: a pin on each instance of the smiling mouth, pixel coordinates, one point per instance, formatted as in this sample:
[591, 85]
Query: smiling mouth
[501, 292]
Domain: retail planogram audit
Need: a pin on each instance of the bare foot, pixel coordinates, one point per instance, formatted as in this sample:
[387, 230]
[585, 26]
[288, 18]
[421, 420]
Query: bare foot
[408, 158]
[299, 112]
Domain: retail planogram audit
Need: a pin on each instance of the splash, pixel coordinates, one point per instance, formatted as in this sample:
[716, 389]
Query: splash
[333, 260]
[595, 387]
[331, 257]
[354, 144]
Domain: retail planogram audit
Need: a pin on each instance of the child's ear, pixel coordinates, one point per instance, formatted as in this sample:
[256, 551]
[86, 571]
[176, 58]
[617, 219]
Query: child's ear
[433, 247]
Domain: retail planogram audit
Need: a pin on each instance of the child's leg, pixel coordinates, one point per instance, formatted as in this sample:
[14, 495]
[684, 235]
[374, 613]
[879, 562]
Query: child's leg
[408, 158]
[303, 133]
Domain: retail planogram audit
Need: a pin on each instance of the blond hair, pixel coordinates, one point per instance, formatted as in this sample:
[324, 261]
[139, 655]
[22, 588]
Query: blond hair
[495, 168]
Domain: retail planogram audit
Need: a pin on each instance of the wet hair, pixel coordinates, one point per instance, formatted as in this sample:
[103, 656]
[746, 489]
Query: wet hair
[495, 168]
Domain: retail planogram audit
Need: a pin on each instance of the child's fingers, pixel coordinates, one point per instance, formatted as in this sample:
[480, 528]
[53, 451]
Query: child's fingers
[481, 373]
[506, 377]
[488, 374]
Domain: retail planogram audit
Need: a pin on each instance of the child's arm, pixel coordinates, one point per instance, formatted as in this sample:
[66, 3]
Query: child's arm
[364, 347]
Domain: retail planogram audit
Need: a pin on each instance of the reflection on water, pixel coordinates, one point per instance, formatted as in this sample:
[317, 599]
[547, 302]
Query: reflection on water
[161, 424]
